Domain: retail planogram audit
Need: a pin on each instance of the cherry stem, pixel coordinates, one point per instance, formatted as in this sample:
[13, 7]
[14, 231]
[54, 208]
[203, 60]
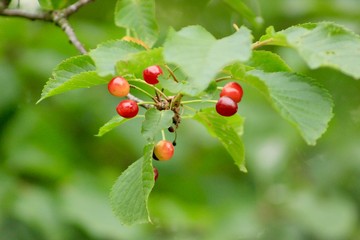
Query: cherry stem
[141, 90]
[161, 93]
[197, 101]
[175, 99]
[163, 134]
[236, 26]
[171, 73]
[190, 108]
[152, 86]
[223, 78]
[188, 116]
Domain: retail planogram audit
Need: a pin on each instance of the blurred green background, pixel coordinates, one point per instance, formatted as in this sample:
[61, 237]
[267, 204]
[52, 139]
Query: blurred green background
[55, 175]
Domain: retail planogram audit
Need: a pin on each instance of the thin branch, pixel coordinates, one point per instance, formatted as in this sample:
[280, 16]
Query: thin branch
[74, 7]
[65, 26]
[60, 18]
[138, 100]
[44, 16]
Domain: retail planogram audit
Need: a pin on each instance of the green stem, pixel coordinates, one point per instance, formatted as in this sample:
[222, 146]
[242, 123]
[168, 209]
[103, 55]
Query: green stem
[161, 93]
[128, 32]
[197, 101]
[187, 117]
[171, 73]
[223, 78]
[163, 134]
[152, 86]
[176, 98]
[262, 43]
[141, 90]
[189, 108]
[236, 27]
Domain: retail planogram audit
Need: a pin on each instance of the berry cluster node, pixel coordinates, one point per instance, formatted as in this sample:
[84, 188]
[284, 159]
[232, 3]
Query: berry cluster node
[227, 105]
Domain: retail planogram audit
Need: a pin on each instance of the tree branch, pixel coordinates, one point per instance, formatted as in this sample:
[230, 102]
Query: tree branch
[65, 26]
[74, 7]
[44, 16]
[60, 18]
[138, 100]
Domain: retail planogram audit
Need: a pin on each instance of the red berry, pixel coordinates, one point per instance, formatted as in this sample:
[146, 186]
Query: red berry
[226, 106]
[232, 90]
[151, 74]
[164, 150]
[119, 87]
[127, 108]
[156, 174]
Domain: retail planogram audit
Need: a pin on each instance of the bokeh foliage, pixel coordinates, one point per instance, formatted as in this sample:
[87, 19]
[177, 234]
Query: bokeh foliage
[55, 175]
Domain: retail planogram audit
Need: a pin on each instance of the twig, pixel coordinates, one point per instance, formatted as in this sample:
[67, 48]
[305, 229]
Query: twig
[138, 100]
[44, 16]
[74, 7]
[65, 26]
[59, 17]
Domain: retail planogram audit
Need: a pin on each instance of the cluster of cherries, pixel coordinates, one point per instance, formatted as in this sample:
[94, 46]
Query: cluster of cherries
[230, 96]
[120, 87]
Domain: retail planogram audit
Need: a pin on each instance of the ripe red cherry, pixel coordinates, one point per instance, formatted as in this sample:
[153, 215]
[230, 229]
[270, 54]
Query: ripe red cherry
[127, 108]
[232, 90]
[119, 87]
[163, 150]
[226, 106]
[151, 74]
[156, 174]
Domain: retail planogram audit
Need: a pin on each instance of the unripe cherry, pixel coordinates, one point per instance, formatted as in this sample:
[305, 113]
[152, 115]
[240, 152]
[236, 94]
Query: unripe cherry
[127, 108]
[164, 150]
[225, 106]
[232, 90]
[150, 74]
[119, 87]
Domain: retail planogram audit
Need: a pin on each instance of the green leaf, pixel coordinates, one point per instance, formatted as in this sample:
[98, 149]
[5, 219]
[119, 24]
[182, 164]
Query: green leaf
[245, 12]
[228, 130]
[298, 99]
[268, 62]
[111, 124]
[261, 60]
[139, 61]
[107, 54]
[73, 73]
[46, 4]
[201, 57]
[138, 16]
[130, 193]
[323, 45]
[155, 121]
[52, 4]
